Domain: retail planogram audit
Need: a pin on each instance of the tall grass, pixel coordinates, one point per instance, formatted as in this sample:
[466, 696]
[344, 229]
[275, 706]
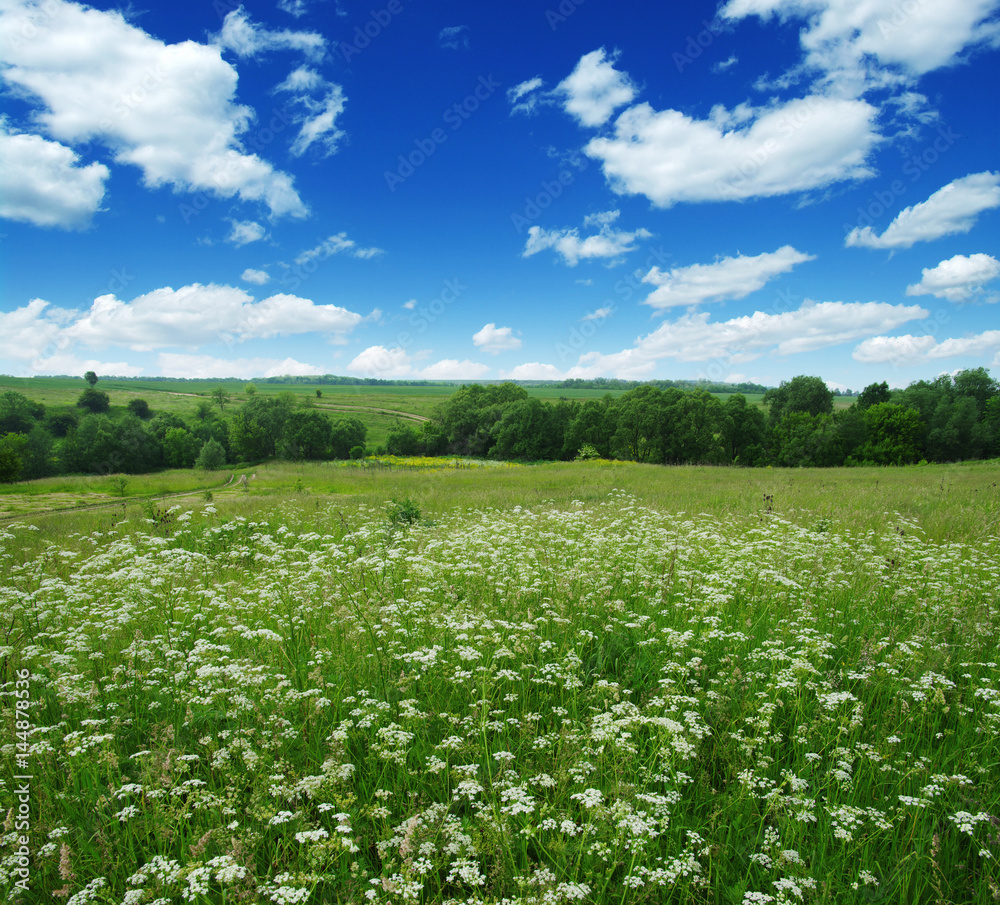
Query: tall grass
[597, 698]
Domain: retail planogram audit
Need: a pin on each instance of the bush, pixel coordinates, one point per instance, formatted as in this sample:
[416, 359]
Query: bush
[212, 456]
[357, 452]
[140, 408]
[94, 401]
[403, 512]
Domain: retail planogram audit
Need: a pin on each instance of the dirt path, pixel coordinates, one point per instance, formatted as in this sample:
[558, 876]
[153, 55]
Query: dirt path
[116, 502]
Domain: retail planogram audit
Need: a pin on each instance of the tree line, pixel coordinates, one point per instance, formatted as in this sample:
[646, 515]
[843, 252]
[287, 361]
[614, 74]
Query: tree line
[942, 420]
[91, 437]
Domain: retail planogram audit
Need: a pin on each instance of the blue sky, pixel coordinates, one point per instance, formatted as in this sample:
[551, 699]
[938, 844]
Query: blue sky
[405, 189]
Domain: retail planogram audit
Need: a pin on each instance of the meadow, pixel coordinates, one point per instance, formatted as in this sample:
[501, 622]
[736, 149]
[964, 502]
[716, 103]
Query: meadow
[450, 681]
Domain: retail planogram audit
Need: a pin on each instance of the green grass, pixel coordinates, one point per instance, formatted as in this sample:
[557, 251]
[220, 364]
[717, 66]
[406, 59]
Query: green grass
[589, 682]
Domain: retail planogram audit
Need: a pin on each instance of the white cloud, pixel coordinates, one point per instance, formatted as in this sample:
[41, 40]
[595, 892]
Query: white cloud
[243, 232]
[248, 39]
[524, 98]
[734, 155]
[454, 37]
[378, 361]
[168, 109]
[496, 339]
[914, 37]
[317, 114]
[452, 369]
[533, 370]
[176, 365]
[42, 182]
[595, 89]
[728, 278]
[66, 363]
[951, 209]
[336, 244]
[198, 314]
[600, 314]
[723, 65]
[260, 277]
[608, 243]
[410, 305]
[915, 350]
[957, 279]
[26, 332]
[693, 337]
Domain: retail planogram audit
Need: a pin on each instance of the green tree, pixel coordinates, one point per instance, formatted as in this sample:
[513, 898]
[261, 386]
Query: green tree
[180, 448]
[90, 377]
[873, 394]
[528, 430]
[220, 397]
[256, 428]
[592, 424]
[345, 434]
[212, 456]
[140, 408]
[250, 389]
[404, 441]
[639, 416]
[18, 414]
[893, 434]
[692, 427]
[743, 431]
[59, 424]
[12, 450]
[94, 401]
[307, 435]
[800, 394]
[38, 460]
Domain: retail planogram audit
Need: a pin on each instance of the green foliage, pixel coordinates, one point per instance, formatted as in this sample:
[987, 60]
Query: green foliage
[403, 512]
[250, 389]
[119, 484]
[800, 394]
[357, 452]
[872, 395]
[18, 414]
[221, 397]
[90, 377]
[587, 452]
[212, 456]
[180, 448]
[140, 408]
[94, 401]
[59, 424]
[306, 435]
[12, 450]
[257, 427]
[345, 434]
[893, 434]
[404, 441]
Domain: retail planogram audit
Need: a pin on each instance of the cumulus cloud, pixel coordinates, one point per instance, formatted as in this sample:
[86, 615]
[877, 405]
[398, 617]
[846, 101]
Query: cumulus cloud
[841, 36]
[600, 314]
[595, 89]
[198, 314]
[496, 339]
[243, 232]
[734, 155]
[246, 38]
[452, 369]
[533, 370]
[915, 350]
[172, 364]
[958, 279]
[26, 332]
[694, 337]
[42, 182]
[337, 244]
[608, 243]
[167, 109]
[260, 277]
[728, 278]
[951, 209]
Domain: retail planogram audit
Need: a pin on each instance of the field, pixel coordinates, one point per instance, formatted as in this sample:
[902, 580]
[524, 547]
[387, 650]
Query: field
[420, 681]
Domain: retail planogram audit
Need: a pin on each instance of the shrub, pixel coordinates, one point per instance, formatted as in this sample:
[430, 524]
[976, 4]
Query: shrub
[212, 456]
